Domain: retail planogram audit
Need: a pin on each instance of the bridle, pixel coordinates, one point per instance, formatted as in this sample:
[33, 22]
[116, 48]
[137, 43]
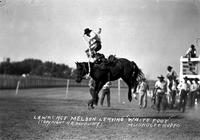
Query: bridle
[83, 70]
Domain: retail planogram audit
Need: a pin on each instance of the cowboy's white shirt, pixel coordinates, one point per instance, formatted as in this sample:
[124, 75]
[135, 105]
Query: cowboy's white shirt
[184, 86]
[194, 87]
[172, 72]
[143, 86]
[160, 85]
[92, 38]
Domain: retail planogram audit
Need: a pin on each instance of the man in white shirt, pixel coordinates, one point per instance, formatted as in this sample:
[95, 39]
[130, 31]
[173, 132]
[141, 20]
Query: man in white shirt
[193, 92]
[197, 92]
[94, 41]
[161, 88]
[142, 89]
[173, 93]
[171, 75]
[184, 88]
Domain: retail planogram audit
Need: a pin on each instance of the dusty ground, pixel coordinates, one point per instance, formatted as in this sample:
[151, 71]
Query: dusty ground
[19, 118]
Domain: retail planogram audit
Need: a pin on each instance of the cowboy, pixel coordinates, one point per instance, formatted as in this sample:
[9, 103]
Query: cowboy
[171, 75]
[142, 89]
[161, 88]
[184, 88]
[94, 41]
[194, 87]
[106, 92]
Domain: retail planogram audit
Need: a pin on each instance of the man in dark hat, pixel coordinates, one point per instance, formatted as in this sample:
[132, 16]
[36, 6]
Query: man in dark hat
[94, 41]
[191, 52]
[161, 88]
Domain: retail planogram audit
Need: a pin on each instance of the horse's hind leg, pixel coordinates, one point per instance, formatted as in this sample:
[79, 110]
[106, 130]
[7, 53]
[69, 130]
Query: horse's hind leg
[128, 82]
[129, 94]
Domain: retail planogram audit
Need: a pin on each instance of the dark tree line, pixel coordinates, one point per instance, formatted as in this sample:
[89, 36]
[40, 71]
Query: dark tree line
[36, 67]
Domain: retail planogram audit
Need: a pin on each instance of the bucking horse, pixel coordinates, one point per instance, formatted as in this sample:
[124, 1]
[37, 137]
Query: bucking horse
[122, 68]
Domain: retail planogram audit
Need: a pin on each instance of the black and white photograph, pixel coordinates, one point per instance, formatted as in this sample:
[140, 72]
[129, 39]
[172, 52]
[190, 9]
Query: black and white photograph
[99, 69]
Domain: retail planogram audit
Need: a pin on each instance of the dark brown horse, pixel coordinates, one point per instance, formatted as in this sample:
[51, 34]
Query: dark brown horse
[121, 68]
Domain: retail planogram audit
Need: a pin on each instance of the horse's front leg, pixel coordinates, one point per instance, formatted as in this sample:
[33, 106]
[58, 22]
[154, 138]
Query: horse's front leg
[90, 102]
[128, 82]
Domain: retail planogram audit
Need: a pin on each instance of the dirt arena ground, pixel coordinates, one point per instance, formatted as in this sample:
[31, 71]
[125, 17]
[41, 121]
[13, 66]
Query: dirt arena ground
[46, 114]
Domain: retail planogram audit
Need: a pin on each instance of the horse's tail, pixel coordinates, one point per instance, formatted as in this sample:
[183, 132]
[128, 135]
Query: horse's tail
[137, 75]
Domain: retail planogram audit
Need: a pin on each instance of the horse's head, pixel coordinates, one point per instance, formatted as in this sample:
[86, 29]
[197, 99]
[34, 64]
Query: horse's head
[81, 71]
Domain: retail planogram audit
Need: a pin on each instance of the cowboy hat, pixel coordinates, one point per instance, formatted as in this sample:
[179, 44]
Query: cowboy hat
[87, 31]
[161, 76]
[169, 67]
[196, 79]
[192, 46]
[185, 78]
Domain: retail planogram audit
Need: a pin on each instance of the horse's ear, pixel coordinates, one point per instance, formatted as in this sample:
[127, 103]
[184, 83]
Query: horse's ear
[76, 63]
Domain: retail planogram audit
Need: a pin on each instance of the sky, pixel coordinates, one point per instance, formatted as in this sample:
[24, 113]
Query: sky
[153, 33]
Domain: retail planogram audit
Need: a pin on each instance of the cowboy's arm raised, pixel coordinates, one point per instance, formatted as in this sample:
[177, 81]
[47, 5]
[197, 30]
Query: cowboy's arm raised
[92, 38]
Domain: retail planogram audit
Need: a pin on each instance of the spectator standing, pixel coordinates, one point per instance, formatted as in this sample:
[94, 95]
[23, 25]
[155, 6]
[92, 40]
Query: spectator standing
[171, 75]
[191, 93]
[196, 91]
[173, 93]
[106, 92]
[184, 89]
[143, 87]
[161, 88]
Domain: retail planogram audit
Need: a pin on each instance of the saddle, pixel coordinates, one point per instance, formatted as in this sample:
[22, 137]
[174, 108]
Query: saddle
[112, 60]
[104, 63]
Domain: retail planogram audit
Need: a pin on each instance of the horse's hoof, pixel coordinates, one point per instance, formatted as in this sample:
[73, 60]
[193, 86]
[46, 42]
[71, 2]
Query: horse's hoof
[90, 107]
